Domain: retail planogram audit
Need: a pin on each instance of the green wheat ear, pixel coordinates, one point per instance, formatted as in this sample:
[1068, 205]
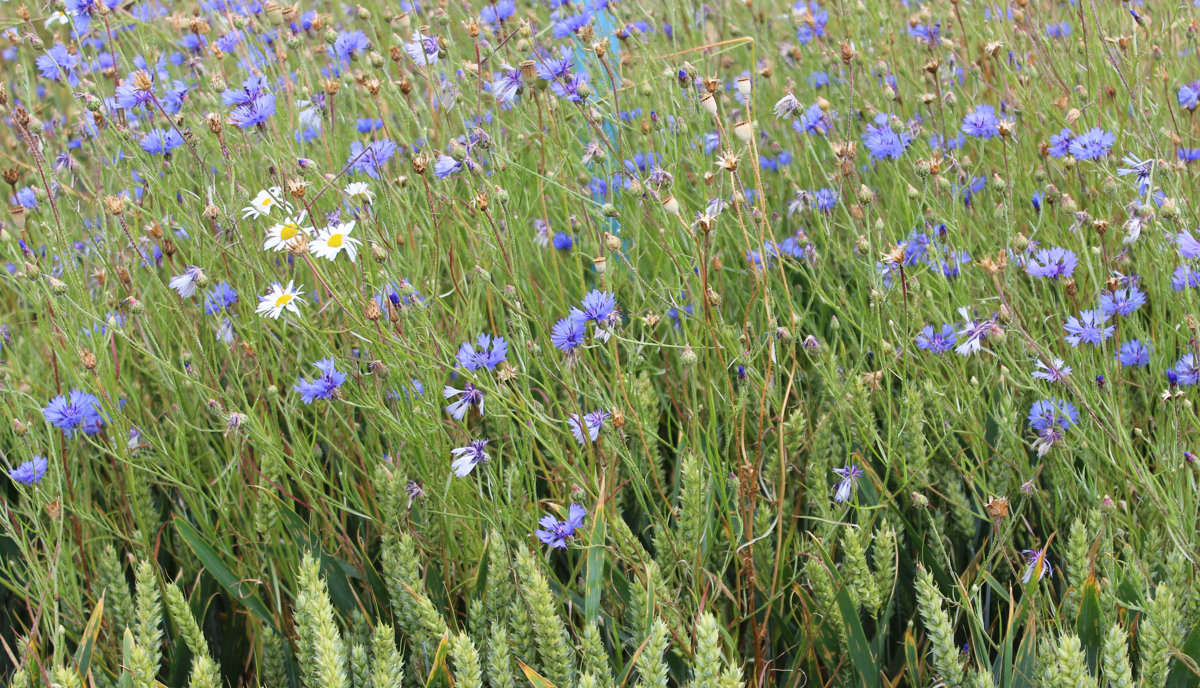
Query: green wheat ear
[947, 660]
[651, 667]
[315, 625]
[148, 633]
[387, 664]
[1160, 633]
[549, 631]
[1117, 671]
[499, 658]
[467, 670]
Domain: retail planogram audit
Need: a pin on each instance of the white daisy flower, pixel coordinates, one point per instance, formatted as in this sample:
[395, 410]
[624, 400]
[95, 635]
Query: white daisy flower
[333, 240]
[60, 18]
[360, 191]
[274, 302]
[265, 202]
[281, 234]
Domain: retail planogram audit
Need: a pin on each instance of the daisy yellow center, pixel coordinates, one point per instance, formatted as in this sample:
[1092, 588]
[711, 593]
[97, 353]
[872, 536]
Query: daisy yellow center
[266, 202]
[282, 300]
[335, 241]
[288, 232]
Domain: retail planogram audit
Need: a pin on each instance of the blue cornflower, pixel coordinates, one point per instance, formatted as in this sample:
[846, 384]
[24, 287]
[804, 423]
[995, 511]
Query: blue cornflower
[323, 387]
[1133, 354]
[26, 197]
[1185, 277]
[1056, 371]
[1060, 143]
[349, 45]
[1054, 262]
[371, 157]
[1092, 145]
[57, 63]
[1189, 95]
[593, 422]
[556, 533]
[366, 125]
[812, 121]
[981, 122]
[468, 396]
[1037, 562]
[568, 333]
[128, 95]
[844, 488]
[1188, 154]
[507, 85]
[563, 241]
[161, 141]
[1088, 328]
[492, 352]
[1142, 168]
[1122, 302]
[597, 305]
[29, 472]
[468, 457]
[825, 200]
[219, 298]
[75, 412]
[1052, 413]
[882, 142]
[255, 112]
[492, 14]
[445, 166]
[1188, 246]
[1185, 373]
[937, 342]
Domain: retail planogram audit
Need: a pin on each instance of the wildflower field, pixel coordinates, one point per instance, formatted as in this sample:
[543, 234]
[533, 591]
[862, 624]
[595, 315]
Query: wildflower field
[599, 344]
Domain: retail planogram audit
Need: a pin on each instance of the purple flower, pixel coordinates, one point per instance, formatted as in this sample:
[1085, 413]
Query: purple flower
[423, 49]
[568, 333]
[849, 480]
[1060, 143]
[161, 142]
[508, 84]
[981, 122]
[74, 412]
[1056, 371]
[254, 113]
[973, 333]
[1092, 145]
[1133, 354]
[593, 422]
[555, 533]
[882, 142]
[1189, 95]
[1185, 373]
[492, 14]
[1089, 328]
[1055, 263]
[563, 241]
[185, 283]
[1122, 302]
[57, 63]
[597, 305]
[468, 396]
[1036, 561]
[325, 386]
[29, 472]
[813, 121]
[445, 166]
[1188, 246]
[371, 157]
[1052, 413]
[934, 341]
[492, 352]
[468, 457]
[220, 298]
[1185, 277]
[349, 45]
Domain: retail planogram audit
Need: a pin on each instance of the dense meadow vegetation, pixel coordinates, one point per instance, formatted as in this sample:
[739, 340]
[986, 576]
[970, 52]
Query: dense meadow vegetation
[599, 343]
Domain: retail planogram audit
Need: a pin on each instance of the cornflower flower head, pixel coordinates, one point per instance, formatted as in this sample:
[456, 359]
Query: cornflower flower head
[786, 106]
[497, 12]
[973, 333]
[1053, 263]
[1189, 247]
[334, 239]
[29, 472]
[1122, 302]
[466, 458]
[1055, 371]
[423, 49]
[981, 122]
[492, 352]
[1133, 354]
[1092, 145]
[1142, 168]
[1185, 373]
[883, 143]
[596, 305]
[1050, 419]
[844, 489]
[1037, 562]
[325, 386]
[186, 282]
[372, 157]
[813, 121]
[467, 397]
[349, 45]
[136, 90]
[77, 411]
[221, 297]
[161, 141]
[1060, 144]
[281, 234]
[508, 84]
[1189, 95]
[1185, 277]
[556, 533]
[1091, 327]
[937, 341]
[568, 333]
[593, 423]
[280, 298]
[254, 113]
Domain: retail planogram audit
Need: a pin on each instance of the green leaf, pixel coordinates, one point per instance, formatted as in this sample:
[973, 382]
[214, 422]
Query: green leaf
[860, 651]
[217, 569]
[87, 641]
[1181, 675]
[1088, 623]
[594, 581]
